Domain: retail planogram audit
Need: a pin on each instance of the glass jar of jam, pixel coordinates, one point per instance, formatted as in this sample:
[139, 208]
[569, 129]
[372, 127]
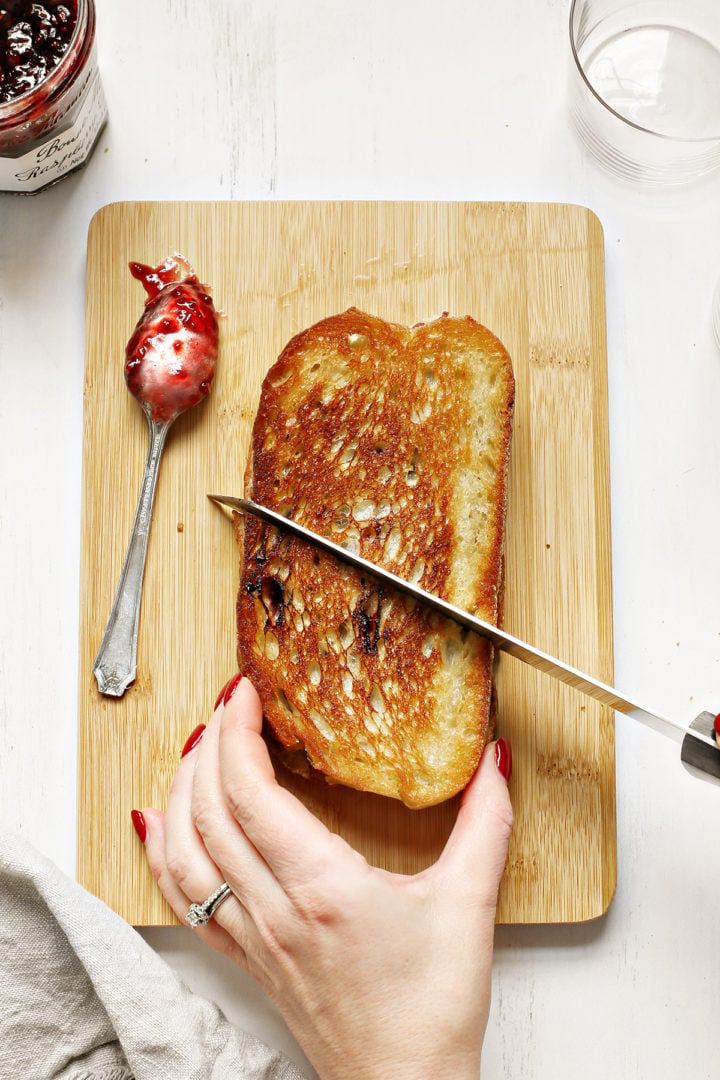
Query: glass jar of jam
[52, 105]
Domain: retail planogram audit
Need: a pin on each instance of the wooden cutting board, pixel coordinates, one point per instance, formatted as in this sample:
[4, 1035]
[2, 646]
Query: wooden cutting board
[534, 275]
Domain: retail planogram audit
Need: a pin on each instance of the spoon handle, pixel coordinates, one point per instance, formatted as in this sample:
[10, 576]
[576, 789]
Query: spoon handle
[115, 665]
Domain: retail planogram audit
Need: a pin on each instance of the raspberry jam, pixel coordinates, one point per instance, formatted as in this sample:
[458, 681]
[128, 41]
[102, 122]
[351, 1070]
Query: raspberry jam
[170, 358]
[33, 39]
[52, 106]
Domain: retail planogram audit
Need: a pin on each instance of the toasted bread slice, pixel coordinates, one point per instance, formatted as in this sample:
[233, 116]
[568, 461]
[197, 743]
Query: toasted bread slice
[394, 442]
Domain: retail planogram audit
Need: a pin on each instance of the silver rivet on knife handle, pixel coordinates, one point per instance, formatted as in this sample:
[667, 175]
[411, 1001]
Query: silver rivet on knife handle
[594, 688]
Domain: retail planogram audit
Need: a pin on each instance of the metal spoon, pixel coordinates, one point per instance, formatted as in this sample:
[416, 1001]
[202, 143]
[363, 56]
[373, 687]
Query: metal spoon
[170, 362]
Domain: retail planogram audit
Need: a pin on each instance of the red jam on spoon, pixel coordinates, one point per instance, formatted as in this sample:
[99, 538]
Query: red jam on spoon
[170, 358]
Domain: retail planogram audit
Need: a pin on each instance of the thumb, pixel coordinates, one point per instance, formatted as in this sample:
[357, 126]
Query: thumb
[474, 857]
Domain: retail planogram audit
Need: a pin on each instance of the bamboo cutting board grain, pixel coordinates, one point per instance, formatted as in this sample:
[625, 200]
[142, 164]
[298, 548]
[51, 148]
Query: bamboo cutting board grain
[534, 275]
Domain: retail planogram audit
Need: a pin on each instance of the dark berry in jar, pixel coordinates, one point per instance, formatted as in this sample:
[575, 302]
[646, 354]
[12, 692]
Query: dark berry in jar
[33, 39]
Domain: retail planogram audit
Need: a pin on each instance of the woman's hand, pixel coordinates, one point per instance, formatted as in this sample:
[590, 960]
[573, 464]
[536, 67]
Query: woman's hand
[376, 974]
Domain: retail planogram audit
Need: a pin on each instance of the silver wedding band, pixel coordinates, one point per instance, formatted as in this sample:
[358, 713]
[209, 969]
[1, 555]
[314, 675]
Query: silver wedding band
[201, 914]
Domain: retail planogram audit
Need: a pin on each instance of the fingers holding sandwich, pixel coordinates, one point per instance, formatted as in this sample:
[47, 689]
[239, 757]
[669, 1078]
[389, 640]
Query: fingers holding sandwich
[298, 848]
[295, 844]
[475, 854]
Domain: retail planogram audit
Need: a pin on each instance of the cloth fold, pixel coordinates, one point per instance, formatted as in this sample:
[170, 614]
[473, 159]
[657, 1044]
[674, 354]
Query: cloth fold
[83, 997]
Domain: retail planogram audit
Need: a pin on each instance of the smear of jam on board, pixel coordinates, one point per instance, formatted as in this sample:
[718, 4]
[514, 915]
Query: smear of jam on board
[33, 40]
[170, 358]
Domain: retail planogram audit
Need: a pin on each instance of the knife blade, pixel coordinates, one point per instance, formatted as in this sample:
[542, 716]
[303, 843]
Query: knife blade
[707, 757]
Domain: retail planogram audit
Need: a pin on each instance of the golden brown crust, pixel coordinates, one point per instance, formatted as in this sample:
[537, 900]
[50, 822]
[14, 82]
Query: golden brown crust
[394, 441]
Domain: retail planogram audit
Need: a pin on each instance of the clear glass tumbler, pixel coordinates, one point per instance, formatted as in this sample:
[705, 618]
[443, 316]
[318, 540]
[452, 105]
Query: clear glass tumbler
[645, 86]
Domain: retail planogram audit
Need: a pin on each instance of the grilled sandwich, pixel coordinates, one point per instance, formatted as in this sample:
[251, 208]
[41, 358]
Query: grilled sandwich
[393, 441]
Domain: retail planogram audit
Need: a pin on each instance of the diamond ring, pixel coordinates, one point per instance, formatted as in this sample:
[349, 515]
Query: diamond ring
[201, 914]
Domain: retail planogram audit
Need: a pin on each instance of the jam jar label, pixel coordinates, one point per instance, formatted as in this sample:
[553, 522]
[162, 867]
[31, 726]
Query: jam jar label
[63, 150]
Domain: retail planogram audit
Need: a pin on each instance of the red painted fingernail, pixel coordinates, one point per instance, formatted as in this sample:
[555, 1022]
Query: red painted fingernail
[716, 725]
[193, 739]
[221, 695]
[139, 824]
[503, 757]
[232, 687]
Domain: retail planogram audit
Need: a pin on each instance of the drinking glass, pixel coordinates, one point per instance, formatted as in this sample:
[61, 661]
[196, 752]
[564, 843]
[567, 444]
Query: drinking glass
[645, 86]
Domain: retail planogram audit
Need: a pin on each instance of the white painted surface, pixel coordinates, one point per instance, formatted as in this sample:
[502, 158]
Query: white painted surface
[405, 99]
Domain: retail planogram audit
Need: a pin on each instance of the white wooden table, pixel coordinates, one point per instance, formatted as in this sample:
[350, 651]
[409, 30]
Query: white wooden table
[403, 99]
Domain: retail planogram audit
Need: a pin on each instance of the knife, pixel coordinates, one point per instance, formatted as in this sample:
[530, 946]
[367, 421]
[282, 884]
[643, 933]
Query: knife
[699, 748]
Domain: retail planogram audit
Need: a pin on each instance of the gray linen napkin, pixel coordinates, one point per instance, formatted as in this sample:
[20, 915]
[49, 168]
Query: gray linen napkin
[83, 997]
